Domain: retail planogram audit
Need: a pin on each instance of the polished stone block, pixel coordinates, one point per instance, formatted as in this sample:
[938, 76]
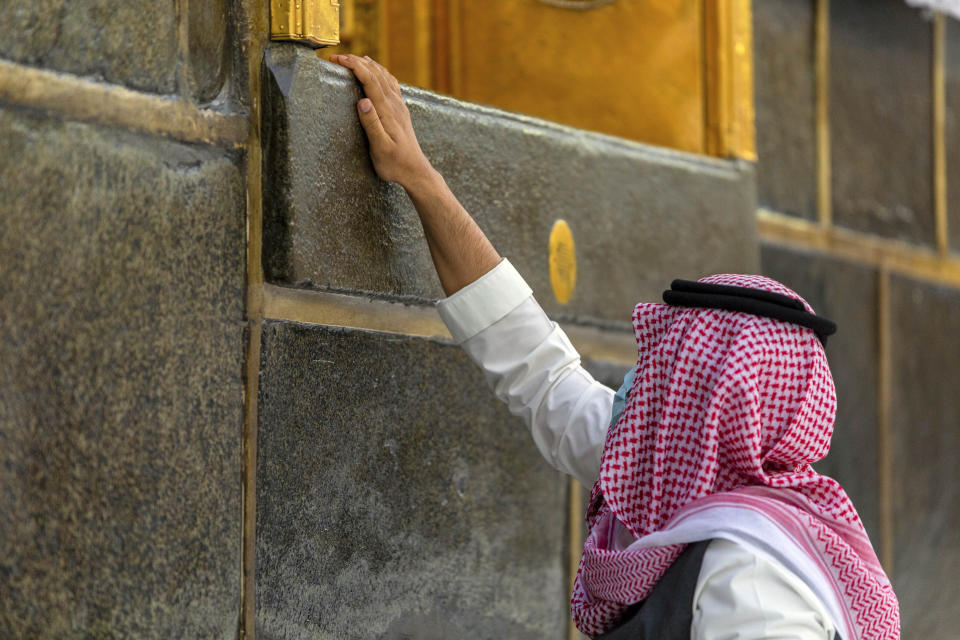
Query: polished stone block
[397, 498]
[640, 215]
[925, 416]
[881, 119]
[121, 355]
[131, 43]
[786, 103]
[847, 294]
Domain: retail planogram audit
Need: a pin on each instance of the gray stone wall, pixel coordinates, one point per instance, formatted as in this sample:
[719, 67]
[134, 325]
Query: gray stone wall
[120, 384]
[180, 458]
[925, 321]
[881, 106]
[397, 497]
[122, 329]
[786, 106]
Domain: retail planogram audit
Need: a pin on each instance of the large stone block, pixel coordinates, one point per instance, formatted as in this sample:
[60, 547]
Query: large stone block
[785, 86]
[397, 498]
[880, 119]
[847, 294]
[130, 43]
[952, 73]
[121, 357]
[925, 359]
[640, 215]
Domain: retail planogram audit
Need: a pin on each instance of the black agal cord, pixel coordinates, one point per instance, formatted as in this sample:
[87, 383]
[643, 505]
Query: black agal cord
[686, 293]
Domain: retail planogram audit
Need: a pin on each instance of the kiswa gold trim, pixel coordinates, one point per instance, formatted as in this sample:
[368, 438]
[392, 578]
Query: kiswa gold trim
[822, 68]
[884, 427]
[315, 23]
[896, 256]
[939, 133]
[422, 43]
[357, 312]
[254, 21]
[728, 71]
[455, 43]
[254, 35]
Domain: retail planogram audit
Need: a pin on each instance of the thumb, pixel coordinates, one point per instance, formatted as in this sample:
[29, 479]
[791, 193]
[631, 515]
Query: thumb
[370, 120]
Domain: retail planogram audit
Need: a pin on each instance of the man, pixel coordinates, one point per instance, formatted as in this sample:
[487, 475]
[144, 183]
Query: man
[706, 519]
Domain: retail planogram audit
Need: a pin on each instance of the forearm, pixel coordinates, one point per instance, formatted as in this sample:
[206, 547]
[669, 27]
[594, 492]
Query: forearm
[461, 252]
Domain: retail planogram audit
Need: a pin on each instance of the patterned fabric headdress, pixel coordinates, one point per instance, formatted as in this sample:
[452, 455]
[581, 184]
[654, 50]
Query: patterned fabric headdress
[727, 411]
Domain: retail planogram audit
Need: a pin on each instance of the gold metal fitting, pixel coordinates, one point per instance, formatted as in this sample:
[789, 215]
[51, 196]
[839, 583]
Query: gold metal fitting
[315, 23]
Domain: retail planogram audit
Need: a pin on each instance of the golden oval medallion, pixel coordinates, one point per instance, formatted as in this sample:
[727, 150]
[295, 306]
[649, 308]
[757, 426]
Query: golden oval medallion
[563, 261]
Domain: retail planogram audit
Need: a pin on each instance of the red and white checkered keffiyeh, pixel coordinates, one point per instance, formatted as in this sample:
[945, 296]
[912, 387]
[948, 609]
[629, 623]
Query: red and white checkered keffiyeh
[726, 414]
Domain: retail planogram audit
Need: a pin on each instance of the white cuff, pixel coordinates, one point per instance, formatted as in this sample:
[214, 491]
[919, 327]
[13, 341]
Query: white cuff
[484, 301]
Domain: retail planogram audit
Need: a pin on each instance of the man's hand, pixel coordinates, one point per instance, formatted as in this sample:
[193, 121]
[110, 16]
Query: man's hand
[394, 149]
[461, 252]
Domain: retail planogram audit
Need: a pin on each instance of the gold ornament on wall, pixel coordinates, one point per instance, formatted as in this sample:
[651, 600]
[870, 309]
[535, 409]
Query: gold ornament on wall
[563, 261]
[315, 23]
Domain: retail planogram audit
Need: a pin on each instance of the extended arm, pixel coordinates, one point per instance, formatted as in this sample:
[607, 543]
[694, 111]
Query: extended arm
[460, 250]
[532, 367]
[527, 359]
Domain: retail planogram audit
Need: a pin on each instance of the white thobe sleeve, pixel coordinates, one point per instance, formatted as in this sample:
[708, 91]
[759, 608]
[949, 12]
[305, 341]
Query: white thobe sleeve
[530, 364]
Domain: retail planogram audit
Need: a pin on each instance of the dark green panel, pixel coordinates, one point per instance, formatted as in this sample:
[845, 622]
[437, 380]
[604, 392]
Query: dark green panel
[133, 43]
[925, 403]
[121, 354]
[847, 294]
[785, 94]
[397, 498]
[881, 119]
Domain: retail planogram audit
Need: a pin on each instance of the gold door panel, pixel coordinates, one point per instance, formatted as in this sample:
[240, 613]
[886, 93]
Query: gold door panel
[675, 73]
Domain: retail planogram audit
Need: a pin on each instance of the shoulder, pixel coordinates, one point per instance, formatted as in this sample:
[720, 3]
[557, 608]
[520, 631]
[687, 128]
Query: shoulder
[744, 594]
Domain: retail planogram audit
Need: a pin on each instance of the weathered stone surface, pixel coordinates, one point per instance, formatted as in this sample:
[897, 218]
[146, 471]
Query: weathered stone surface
[880, 119]
[847, 294]
[925, 323]
[397, 497]
[640, 215]
[785, 86]
[121, 355]
[953, 133]
[208, 26]
[131, 43]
